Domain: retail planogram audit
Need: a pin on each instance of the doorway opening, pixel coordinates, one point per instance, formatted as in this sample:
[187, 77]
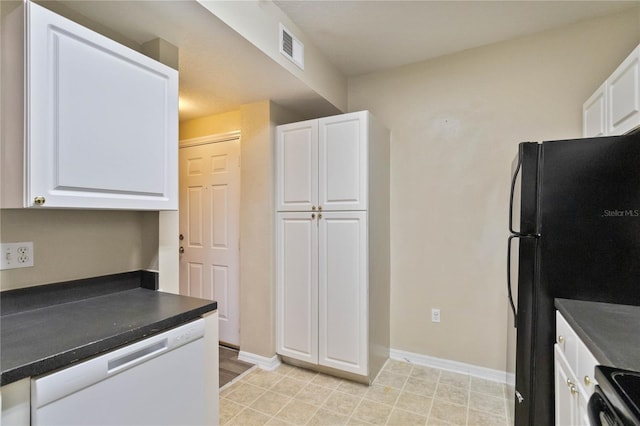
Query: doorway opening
[209, 226]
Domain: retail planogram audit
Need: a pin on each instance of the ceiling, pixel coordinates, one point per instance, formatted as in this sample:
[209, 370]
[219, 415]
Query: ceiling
[361, 37]
[220, 70]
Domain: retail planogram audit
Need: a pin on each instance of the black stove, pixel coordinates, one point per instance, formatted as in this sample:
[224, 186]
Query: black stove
[617, 398]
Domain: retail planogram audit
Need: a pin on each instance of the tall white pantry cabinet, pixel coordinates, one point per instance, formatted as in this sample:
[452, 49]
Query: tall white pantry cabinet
[333, 244]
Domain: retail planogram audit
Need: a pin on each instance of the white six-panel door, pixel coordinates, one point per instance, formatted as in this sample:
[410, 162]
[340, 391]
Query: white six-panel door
[210, 228]
[297, 289]
[342, 291]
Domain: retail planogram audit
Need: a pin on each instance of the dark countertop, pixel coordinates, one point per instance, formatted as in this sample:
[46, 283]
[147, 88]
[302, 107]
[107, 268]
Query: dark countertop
[40, 332]
[610, 331]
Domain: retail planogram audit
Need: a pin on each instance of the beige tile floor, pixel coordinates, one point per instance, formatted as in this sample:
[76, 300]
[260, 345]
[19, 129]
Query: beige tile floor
[403, 394]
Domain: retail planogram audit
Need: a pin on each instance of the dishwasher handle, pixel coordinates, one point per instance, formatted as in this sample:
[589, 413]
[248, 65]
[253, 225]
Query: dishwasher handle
[136, 357]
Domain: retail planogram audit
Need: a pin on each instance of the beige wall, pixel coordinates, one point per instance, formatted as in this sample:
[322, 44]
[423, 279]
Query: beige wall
[455, 124]
[256, 232]
[210, 125]
[74, 244]
[256, 123]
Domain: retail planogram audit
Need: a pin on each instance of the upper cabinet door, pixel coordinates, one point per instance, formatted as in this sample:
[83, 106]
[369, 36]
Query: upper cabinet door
[593, 114]
[343, 160]
[297, 166]
[102, 122]
[623, 96]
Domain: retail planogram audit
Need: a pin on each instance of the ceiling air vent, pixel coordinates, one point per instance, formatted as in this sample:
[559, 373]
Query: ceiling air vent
[291, 47]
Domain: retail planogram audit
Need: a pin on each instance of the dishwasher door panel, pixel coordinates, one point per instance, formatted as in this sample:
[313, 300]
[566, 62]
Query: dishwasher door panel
[167, 389]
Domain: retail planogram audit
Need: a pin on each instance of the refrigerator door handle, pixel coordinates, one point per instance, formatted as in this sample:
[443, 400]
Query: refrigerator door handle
[514, 179]
[513, 307]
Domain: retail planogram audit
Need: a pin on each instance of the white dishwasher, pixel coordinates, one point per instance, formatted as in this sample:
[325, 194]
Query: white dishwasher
[157, 381]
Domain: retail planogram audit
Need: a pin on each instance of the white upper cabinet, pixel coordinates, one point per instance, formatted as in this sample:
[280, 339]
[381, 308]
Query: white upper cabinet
[322, 164]
[594, 123]
[101, 122]
[623, 96]
[614, 109]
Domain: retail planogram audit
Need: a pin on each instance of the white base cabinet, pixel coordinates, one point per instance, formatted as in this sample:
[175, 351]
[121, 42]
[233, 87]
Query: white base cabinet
[614, 109]
[89, 123]
[574, 369]
[332, 239]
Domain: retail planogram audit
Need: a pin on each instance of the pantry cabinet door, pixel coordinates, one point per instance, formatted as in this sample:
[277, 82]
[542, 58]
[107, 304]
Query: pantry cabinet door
[297, 286]
[297, 166]
[342, 291]
[343, 161]
[623, 96]
[593, 114]
[102, 120]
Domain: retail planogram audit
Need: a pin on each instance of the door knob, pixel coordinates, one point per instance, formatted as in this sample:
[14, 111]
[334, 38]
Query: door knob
[181, 250]
[181, 237]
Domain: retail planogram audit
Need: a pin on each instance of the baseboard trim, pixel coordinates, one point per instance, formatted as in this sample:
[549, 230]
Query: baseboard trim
[445, 364]
[272, 363]
[262, 362]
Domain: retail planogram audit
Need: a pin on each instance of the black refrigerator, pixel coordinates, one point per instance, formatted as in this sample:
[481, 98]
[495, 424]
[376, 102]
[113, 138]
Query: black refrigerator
[575, 234]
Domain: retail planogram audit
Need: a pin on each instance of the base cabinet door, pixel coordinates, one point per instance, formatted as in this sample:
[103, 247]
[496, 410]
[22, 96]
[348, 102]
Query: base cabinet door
[342, 289]
[565, 400]
[297, 286]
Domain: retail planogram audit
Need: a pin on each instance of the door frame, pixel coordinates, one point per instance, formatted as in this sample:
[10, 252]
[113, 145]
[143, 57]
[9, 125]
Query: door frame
[211, 139]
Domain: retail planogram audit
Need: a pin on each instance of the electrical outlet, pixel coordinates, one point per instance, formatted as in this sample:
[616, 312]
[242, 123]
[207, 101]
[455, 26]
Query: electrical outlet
[16, 255]
[435, 315]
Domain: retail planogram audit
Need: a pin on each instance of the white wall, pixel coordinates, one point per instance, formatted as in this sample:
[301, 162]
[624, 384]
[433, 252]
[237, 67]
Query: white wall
[455, 124]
